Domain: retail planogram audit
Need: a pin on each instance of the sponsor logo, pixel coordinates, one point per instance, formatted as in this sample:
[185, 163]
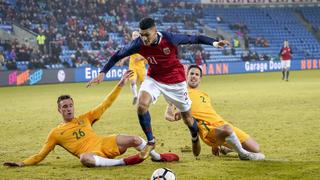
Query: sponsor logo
[217, 68]
[35, 77]
[310, 64]
[80, 122]
[114, 73]
[262, 66]
[19, 79]
[166, 51]
[61, 75]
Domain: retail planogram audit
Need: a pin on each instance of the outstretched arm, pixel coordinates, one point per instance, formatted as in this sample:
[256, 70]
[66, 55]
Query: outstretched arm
[97, 112]
[35, 159]
[178, 39]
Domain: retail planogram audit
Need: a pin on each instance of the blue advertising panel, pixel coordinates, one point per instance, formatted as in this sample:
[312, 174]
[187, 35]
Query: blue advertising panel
[34, 77]
[256, 66]
[85, 74]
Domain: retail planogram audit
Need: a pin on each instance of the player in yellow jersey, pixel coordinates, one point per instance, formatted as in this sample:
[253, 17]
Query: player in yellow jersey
[213, 129]
[137, 64]
[75, 134]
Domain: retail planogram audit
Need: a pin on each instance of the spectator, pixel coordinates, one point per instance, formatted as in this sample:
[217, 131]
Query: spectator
[2, 61]
[41, 38]
[198, 58]
[236, 42]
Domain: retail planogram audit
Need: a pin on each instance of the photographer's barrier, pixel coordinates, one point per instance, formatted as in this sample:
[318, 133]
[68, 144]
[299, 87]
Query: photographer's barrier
[84, 74]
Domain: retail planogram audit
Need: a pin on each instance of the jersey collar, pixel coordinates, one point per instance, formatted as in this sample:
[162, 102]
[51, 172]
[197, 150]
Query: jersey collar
[159, 38]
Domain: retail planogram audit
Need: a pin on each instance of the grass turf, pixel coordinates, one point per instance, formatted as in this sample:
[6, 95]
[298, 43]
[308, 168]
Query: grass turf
[282, 116]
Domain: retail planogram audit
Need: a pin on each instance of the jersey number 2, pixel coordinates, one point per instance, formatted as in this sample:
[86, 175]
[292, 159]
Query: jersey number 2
[203, 99]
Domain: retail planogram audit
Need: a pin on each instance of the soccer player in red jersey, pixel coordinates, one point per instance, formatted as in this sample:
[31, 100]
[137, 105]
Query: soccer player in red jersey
[165, 76]
[285, 57]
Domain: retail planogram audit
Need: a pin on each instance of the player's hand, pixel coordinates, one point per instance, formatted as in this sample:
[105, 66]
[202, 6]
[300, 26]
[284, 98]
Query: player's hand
[170, 114]
[125, 78]
[221, 44]
[172, 118]
[13, 164]
[216, 151]
[96, 80]
[138, 59]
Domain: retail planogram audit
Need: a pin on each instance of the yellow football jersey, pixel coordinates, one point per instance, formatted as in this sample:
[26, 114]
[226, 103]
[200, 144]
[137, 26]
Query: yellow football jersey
[201, 107]
[76, 136]
[208, 119]
[134, 64]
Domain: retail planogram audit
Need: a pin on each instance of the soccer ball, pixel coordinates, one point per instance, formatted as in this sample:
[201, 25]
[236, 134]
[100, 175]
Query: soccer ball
[163, 174]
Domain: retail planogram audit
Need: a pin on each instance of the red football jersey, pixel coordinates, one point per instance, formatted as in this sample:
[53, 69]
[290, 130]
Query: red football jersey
[164, 64]
[285, 53]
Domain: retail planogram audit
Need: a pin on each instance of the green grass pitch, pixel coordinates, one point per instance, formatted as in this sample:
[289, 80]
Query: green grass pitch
[284, 118]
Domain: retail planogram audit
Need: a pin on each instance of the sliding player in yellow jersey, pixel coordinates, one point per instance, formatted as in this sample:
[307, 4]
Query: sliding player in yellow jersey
[137, 64]
[75, 134]
[213, 129]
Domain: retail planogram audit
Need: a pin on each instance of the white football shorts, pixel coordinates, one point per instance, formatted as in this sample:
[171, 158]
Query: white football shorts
[177, 94]
[285, 64]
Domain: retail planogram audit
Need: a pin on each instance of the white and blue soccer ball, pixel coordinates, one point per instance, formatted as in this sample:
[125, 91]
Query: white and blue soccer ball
[163, 174]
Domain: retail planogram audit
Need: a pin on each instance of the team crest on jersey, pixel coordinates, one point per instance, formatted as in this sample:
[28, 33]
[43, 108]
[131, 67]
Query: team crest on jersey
[81, 122]
[166, 51]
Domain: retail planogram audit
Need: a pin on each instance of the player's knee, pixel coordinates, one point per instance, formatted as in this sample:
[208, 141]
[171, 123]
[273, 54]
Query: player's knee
[87, 160]
[187, 119]
[142, 108]
[136, 141]
[227, 130]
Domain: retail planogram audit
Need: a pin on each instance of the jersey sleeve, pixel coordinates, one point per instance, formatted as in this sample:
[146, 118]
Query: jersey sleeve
[178, 39]
[127, 50]
[45, 150]
[95, 114]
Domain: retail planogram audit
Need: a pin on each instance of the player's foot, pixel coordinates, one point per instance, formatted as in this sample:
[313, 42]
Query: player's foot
[287, 80]
[131, 160]
[167, 157]
[196, 148]
[252, 156]
[144, 154]
[134, 100]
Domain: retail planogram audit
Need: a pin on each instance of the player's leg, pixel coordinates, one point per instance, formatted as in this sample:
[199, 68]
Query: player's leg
[110, 147]
[288, 64]
[251, 145]
[148, 93]
[226, 133]
[93, 160]
[177, 94]
[283, 69]
[133, 82]
[247, 144]
[124, 142]
[193, 128]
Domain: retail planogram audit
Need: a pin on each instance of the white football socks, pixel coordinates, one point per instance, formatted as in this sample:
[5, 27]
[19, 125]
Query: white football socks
[236, 145]
[134, 90]
[153, 153]
[101, 161]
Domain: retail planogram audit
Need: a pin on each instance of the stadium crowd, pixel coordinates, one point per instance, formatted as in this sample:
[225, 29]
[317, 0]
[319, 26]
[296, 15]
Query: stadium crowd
[93, 30]
[70, 23]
